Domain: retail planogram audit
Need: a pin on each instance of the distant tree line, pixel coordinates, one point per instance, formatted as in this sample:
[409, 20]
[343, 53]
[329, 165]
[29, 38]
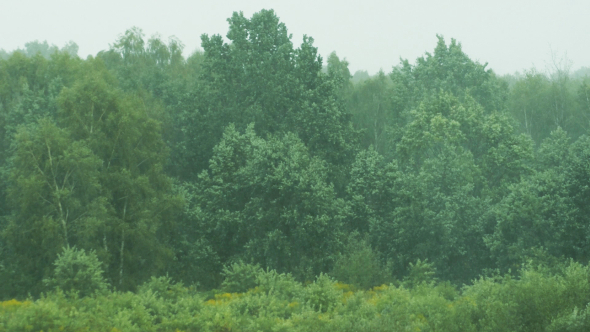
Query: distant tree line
[249, 152]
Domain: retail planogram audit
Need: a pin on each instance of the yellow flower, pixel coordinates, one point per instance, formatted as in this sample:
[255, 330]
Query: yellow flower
[13, 304]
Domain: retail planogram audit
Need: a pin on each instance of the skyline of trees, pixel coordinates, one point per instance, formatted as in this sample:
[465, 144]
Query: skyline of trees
[256, 150]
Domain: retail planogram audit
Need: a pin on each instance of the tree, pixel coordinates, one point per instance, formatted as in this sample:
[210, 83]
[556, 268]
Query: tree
[28, 92]
[151, 65]
[375, 107]
[578, 185]
[434, 214]
[95, 180]
[584, 105]
[371, 190]
[546, 210]
[268, 201]
[339, 73]
[118, 130]
[360, 265]
[261, 78]
[453, 161]
[544, 102]
[529, 103]
[450, 69]
[501, 154]
[55, 193]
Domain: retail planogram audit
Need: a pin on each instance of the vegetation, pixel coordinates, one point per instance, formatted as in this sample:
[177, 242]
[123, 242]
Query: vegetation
[537, 298]
[250, 188]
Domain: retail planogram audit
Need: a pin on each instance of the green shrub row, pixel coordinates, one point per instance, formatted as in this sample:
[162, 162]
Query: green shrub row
[534, 299]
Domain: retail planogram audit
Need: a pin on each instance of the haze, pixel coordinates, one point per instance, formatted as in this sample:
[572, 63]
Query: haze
[509, 35]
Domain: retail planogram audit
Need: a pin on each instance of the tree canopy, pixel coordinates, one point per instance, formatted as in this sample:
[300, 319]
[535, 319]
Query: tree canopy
[255, 159]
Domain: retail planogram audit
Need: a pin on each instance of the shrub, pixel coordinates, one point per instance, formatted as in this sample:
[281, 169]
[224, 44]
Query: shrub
[280, 284]
[576, 321]
[420, 273]
[77, 271]
[360, 266]
[239, 277]
[323, 294]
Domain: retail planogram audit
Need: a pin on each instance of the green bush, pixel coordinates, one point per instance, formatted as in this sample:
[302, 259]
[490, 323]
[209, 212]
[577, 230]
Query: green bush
[359, 265]
[576, 321]
[323, 294]
[420, 273]
[279, 284]
[536, 299]
[239, 277]
[79, 272]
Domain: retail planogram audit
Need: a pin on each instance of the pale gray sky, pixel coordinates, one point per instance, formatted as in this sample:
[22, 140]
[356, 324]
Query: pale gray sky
[508, 34]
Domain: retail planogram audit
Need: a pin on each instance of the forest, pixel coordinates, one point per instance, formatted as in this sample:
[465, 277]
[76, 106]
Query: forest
[255, 186]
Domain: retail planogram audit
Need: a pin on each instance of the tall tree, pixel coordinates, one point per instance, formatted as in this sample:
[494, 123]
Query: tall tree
[117, 128]
[546, 210]
[268, 201]
[450, 69]
[261, 78]
[96, 181]
[529, 103]
[55, 193]
[377, 109]
[338, 71]
[29, 87]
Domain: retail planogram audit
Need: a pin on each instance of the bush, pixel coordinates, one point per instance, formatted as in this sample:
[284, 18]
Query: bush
[163, 287]
[576, 321]
[360, 266]
[280, 284]
[323, 294]
[420, 273]
[240, 277]
[76, 271]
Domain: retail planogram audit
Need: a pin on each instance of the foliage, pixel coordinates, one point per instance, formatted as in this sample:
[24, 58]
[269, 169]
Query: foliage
[261, 78]
[420, 272]
[360, 265]
[449, 69]
[78, 272]
[269, 202]
[240, 277]
[91, 177]
[537, 300]
[444, 197]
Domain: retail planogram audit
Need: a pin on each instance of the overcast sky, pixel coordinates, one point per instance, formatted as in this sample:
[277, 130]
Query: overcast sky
[510, 35]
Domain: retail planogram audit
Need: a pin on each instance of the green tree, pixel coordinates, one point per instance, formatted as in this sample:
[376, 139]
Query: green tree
[578, 185]
[546, 210]
[536, 214]
[501, 155]
[261, 78]
[95, 180]
[55, 193]
[151, 65]
[450, 69]
[544, 102]
[529, 103]
[28, 92]
[268, 201]
[371, 190]
[376, 107]
[171, 85]
[118, 130]
[360, 265]
[453, 162]
[339, 73]
[584, 104]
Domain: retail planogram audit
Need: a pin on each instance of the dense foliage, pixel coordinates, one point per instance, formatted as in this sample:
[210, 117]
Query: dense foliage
[257, 176]
[536, 299]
